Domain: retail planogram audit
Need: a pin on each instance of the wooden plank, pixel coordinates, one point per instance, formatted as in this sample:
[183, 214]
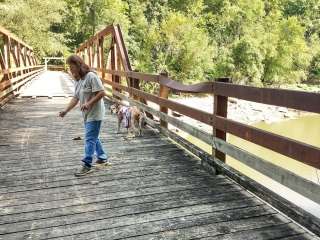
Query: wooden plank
[132, 74]
[6, 48]
[199, 115]
[300, 151]
[89, 56]
[206, 87]
[63, 186]
[5, 100]
[26, 206]
[289, 179]
[23, 55]
[18, 56]
[65, 182]
[98, 53]
[96, 202]
[18, 69]
[28, 57]
[280, 231]
[101, 57]
[130, 224]
[122, 207]
[265, 228]
[2, 62]
[30, 203]
[14, 55]
[293, 211]
[272, 96]
[121, 48]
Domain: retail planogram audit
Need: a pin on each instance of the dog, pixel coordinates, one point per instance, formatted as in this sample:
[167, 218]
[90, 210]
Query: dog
[133, 118]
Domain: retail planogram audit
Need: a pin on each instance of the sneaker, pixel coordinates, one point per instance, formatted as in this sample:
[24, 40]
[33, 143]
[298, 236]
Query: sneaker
[83, 171]
[101, 162]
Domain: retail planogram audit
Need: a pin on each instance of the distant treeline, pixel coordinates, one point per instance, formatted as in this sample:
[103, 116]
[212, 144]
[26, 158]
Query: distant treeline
[256, 42]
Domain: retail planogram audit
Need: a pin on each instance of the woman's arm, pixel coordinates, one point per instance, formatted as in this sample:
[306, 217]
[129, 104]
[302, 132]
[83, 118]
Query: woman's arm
[74, 101]
[92, 101]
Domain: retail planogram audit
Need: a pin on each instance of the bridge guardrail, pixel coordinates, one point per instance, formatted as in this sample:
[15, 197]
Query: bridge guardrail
[18, 65]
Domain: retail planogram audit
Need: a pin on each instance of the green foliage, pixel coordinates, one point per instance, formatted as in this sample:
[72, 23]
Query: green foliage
[261, 42]
[84, 18]
[287, 54]
[178, 46]
[31, 21]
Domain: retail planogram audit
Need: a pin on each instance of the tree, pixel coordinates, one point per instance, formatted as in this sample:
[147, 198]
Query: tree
[261, 42]
[34, 27]
[83, 18]
[178, 46]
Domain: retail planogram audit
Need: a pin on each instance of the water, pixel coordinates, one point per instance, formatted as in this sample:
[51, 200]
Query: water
[305, 129]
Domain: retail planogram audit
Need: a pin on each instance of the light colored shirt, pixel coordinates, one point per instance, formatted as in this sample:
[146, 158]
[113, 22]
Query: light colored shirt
[85, 89]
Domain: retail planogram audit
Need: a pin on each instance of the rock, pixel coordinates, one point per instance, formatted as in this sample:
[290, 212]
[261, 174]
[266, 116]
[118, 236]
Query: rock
[175, 114]
[232, 100]
[283, 109]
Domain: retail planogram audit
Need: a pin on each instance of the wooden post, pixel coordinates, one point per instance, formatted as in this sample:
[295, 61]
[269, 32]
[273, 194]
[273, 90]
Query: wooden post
[220, 106]
[18, 55]
[2, 64]
[135, 83]
[98, 55]
[84, 52]
[114, 66]
[101, 58]
[164, 93]
[119, 68]
[93, 55]
[7, 56]
[34, 60]
[24, 55]
[28, 59]
[89, 56]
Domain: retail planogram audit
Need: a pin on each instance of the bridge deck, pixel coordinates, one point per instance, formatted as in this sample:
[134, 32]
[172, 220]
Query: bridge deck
[154, 190]
[49, 84]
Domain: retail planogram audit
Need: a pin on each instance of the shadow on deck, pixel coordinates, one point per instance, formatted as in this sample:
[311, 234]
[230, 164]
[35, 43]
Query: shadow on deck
[154, 190]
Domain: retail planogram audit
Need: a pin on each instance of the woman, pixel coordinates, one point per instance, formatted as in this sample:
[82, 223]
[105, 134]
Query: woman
[89, 91]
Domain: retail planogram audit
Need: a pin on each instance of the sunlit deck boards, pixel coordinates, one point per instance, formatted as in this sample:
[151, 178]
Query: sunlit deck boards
[49, 84]
[154, 190]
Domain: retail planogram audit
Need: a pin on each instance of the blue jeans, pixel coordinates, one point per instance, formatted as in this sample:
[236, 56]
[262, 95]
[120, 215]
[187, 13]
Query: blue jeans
[92, 143]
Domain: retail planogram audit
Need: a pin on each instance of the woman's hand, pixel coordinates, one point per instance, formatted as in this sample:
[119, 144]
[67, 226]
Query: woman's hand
[85, 106]
[62, 114]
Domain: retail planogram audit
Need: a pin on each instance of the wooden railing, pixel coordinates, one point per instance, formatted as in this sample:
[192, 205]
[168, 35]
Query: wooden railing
[118, 67]
[18, 65]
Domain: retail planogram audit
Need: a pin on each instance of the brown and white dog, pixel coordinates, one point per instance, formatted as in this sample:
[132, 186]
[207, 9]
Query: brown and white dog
[132, 117]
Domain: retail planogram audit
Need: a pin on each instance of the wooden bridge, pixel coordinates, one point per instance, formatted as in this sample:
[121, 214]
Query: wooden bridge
[160, 186]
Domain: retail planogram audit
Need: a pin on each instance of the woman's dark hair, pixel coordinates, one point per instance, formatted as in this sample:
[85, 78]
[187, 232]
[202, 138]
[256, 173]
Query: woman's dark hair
[78, 61]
